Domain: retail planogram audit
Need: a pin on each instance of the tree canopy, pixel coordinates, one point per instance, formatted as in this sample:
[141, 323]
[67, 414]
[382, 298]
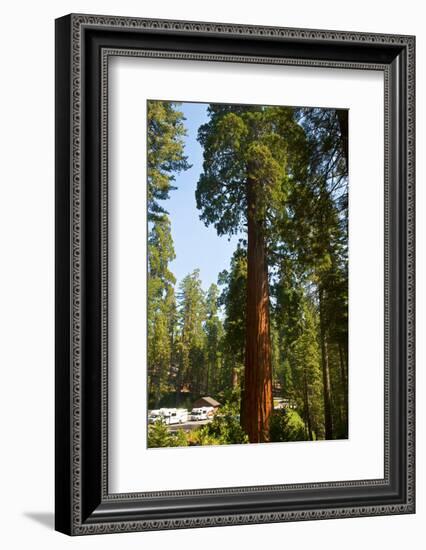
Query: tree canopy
[165, 152]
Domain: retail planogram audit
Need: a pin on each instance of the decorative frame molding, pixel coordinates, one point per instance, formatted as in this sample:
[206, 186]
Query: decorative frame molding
[84, 44]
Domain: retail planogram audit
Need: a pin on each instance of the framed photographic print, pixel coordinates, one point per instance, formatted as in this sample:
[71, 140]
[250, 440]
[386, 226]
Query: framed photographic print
[234, 274]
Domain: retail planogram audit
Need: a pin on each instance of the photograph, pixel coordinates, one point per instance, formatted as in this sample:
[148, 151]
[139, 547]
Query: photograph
[234, 264]
[247, 273]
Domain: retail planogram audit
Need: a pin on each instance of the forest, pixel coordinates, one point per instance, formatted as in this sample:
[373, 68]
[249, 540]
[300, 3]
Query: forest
[273, 329]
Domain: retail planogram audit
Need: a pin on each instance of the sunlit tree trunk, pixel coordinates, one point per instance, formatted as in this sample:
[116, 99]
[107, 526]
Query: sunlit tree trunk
[207, 386]
[328, 420]
[307, 407]
[344, 379]
[342, 116]
[235, 378]
[257, 396]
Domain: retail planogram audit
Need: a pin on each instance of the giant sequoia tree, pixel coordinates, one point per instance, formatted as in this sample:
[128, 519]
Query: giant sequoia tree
[242, 187]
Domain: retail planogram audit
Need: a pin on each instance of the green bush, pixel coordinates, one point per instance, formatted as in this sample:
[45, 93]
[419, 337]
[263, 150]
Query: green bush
[159, 436]
[224, 429]
[201, 436]
[286, 425]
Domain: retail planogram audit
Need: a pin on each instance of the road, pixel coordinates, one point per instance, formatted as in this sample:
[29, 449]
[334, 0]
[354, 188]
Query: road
[188, 426]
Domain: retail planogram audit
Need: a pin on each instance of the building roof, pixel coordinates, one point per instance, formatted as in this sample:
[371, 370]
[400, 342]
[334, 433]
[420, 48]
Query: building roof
[208, 400]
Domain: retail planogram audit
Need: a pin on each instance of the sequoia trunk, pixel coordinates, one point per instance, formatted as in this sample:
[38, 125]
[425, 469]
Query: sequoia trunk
[257, 396]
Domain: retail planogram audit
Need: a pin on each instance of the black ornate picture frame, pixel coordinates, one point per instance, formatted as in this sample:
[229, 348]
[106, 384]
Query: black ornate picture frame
[84, 43]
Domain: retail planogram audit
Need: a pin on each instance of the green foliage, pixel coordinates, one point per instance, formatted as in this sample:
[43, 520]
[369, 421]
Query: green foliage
[213, 329]
[224, 429]
[202, 436]
[287, 425]
[160, 436]
[165, 152]
[309, 248]
[190, 342]
[233, 299]
[160, 253]
[161, 319]
[241, 143]
[165, 157]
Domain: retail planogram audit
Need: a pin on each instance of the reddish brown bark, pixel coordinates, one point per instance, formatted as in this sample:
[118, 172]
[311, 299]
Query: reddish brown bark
[257, 398]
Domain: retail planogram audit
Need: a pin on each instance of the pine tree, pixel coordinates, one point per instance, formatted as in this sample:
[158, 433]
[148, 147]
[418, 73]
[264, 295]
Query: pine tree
[165, 157]
[161, 309]
[165, 152]
[191, 339]
[214, 332]
[233, 300]
[319, 227]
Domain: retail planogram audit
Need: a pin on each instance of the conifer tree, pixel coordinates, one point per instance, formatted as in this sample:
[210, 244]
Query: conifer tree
[243, 185]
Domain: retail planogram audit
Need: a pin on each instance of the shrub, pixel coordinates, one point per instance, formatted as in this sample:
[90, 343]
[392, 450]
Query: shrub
[224, 429]
[159, 436]
[201, 436]
[286, 425]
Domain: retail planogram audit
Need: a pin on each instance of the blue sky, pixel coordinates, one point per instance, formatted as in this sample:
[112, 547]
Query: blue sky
[196, 245]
